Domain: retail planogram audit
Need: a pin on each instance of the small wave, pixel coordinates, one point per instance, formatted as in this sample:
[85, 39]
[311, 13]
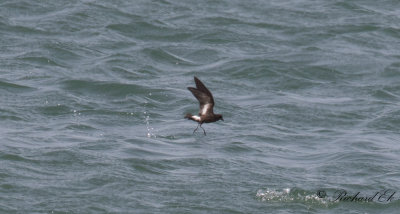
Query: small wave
[14, 87]
[320, 100]
[113, 89]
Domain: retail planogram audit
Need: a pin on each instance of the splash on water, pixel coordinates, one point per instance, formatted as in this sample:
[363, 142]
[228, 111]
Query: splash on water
[292, 195]
[150, 130]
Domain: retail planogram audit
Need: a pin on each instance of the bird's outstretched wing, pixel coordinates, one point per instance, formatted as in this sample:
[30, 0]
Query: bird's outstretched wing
[204, 96]
[201, 87]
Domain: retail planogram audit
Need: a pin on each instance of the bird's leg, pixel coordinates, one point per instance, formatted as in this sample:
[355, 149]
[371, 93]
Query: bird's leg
[196, 128]
[204, 131]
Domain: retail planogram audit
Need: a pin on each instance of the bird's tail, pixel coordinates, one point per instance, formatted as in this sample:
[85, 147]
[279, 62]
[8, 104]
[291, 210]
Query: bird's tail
[188, 116]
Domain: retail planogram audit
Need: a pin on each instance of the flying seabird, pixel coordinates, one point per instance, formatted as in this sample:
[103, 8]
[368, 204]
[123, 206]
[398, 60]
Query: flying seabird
[206, 100]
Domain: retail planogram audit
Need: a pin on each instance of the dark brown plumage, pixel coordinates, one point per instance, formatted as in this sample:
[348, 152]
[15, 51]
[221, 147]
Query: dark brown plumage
[206, 101]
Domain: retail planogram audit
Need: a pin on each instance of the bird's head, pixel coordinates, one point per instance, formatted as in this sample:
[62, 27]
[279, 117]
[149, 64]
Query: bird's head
[220, 117]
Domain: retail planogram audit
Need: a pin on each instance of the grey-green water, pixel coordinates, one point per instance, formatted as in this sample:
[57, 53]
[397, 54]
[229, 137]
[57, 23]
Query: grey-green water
[93, 93]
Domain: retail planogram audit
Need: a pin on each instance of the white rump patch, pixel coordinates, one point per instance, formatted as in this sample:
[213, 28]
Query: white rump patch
[196, 118]
[205, 109]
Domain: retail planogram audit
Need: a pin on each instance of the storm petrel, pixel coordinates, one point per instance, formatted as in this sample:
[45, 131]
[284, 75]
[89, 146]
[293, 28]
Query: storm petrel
[206, 100]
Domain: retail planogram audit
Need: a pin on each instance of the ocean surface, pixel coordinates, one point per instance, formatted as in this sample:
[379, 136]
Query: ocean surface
[93, 94]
